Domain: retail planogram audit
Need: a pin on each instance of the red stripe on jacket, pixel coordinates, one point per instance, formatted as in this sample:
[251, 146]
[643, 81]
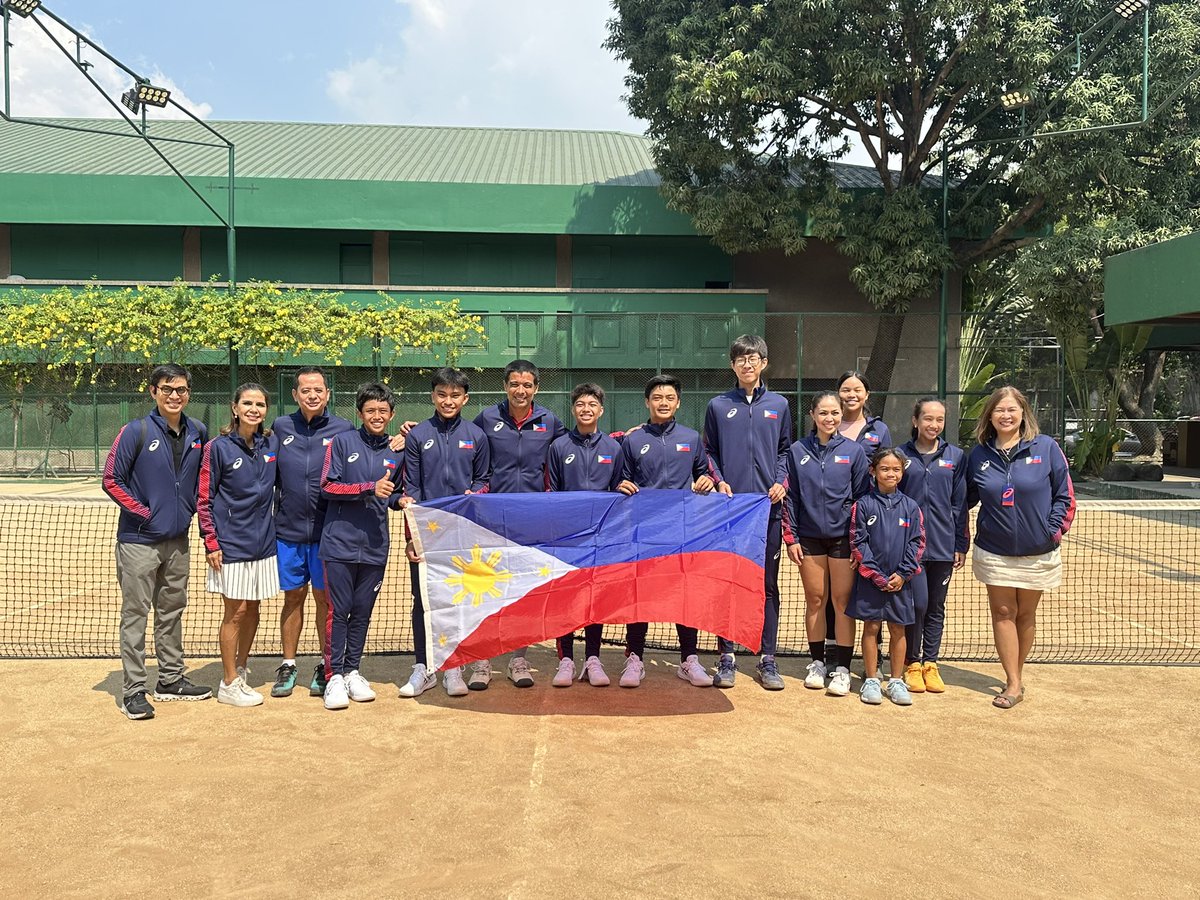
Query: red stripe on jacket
[115, 487]
[337, 487]
[204, 502]
[877, 578]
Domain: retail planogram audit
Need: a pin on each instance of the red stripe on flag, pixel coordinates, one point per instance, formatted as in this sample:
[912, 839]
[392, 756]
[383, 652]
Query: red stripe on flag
[714, 591]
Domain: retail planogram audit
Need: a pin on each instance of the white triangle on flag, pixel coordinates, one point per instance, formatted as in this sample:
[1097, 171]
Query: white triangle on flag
[468, 573]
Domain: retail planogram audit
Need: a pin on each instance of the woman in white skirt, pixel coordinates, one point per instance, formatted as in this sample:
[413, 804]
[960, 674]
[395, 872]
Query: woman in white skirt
[1021, 482]
[237, 521]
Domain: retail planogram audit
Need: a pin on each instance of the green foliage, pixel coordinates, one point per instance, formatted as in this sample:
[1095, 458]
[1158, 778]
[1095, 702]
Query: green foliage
[975, 392]
[82, 332]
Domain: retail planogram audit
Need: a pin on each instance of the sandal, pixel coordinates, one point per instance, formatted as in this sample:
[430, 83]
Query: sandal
[1007, 701]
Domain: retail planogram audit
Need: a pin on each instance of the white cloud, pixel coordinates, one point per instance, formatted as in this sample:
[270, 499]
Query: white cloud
[517, 63]
[46, 84]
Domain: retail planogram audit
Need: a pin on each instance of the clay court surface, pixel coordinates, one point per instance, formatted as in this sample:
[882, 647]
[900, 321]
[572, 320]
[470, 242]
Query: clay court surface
[1087, 789]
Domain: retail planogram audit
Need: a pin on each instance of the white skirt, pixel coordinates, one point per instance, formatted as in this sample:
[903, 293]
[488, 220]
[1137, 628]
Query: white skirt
[254, 580]
[1031, 573]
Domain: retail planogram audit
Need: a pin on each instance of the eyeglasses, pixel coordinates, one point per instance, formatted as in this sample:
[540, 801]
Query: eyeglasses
[747, 361]
[167, 391]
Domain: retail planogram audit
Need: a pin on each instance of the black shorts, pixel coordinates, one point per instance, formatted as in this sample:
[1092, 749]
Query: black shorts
[838, 548]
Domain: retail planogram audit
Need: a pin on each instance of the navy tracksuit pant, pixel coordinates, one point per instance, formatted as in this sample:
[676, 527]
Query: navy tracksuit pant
[770, 632]
[591, 642]
[351, 589]
[930, 587]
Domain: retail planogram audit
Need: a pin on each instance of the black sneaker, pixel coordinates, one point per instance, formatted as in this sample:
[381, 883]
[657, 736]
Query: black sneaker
[182, 689]
[136, 706]
[317, 688]
[285, 681]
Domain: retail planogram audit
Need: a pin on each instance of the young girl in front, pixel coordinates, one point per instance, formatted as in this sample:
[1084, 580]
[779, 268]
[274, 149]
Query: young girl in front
[887, 539]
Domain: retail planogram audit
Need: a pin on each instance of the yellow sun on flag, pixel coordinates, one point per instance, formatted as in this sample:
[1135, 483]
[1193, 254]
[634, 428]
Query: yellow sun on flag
[479, 576]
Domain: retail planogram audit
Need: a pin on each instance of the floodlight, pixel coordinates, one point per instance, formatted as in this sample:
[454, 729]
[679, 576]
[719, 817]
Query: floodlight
[1127, 9]
[1015, 99]
[22, 7]
[129, 99]
[152, 96]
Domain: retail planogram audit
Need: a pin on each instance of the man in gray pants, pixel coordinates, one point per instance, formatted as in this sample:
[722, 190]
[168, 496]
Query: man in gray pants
[152, 472]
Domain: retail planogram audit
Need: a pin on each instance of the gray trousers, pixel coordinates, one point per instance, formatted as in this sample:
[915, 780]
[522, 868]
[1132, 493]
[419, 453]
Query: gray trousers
[152, 575]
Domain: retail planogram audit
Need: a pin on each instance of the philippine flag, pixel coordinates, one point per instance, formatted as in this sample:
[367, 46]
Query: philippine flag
[502, 571]
[537, 426]
[389, 464]
[841, 460]
[195, 445]
[903, 522]
[946, 463]
[770, 414]
[467, 445]
[1035, 460]
[268, 457]
[683, 448]
[605, 459]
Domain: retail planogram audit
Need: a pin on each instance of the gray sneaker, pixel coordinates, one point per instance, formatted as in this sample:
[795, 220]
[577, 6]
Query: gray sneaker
[897, 692]
[726, 671]
[872, 692]
[768, 674]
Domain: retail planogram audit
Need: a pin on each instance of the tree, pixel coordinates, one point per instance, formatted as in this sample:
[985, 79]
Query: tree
[750, 103]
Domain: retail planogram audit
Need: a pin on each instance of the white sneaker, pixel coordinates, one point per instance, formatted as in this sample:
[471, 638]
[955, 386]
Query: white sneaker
[481, 675]
[692, 670]
[244, 673]
[633, 673]
[518, 672]
[565, 674]
[452, 681]
[419, 682]
[359, 688]
[815, 679]
[594, 673]
[238, 694]
[839, 684]
[335, 693]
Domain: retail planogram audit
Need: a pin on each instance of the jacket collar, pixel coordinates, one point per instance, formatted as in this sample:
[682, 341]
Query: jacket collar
[445, 425]
[374, 441]
[659, 430]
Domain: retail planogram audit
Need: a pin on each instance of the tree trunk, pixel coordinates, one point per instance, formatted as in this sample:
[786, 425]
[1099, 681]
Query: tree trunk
[882, 363]
[1141, 405]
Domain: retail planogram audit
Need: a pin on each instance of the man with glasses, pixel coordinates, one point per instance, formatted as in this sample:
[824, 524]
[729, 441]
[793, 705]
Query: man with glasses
[746, 433]
[153, 472]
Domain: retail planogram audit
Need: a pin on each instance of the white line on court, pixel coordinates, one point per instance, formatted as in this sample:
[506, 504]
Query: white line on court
[532, 813]
[1146, 628]
[53, 600]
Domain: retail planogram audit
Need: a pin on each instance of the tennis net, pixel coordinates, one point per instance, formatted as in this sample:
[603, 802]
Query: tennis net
[1130, 592]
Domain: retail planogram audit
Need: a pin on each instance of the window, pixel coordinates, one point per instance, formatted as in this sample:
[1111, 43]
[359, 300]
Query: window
[355, 265]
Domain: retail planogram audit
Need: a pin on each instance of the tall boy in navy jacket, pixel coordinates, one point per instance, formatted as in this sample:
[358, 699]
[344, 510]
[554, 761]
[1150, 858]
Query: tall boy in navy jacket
[303, 438]
[153, 474]
[445, 455]
[747, 432]
[665, 455]
[584, 459]
[360, 479]
[519, 433]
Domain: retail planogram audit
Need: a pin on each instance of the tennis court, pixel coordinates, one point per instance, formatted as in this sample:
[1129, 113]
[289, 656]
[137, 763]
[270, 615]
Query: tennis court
[667, 791]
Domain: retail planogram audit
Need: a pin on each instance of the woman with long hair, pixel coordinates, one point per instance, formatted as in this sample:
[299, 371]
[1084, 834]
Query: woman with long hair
[1021, 482]
[935, 477]
[823, 474]
[237, 520]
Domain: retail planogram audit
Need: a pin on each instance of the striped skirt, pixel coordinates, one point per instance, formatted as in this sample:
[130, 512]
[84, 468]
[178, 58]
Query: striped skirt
[254, 580]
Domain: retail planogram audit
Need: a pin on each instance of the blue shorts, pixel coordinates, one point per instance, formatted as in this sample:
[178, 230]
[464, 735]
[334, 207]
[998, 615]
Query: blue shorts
[299, 565]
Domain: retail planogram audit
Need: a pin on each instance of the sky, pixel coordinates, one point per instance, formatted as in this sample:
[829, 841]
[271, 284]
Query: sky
[506, 63]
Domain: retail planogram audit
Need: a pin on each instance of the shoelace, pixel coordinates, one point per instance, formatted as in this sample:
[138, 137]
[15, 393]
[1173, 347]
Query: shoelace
[520, 666]
[483, 667]
[768, 667]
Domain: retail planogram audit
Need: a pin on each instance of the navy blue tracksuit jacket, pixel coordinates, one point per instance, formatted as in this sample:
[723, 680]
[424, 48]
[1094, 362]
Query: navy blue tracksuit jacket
[237, 497]
[1026, 505]
[584, 462]
[875, 434]
[668, 456]
[356, 523]
[445, 457]
[518, 453]
[822, 482]
[157, 497]
[747, 438]
[887, 536]
[940, 489]
[300, 505]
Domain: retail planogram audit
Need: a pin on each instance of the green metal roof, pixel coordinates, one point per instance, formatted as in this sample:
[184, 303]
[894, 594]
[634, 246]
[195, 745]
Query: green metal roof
[380, 153]
[290, 150]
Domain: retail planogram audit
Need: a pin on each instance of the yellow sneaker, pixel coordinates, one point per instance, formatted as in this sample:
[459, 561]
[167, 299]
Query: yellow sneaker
[913, 678]
[932, 678]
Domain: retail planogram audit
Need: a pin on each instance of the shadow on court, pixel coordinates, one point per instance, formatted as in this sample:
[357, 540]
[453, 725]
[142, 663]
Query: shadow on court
[972, 681]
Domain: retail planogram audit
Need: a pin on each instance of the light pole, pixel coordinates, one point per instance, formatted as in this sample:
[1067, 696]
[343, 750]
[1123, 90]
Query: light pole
[141, 95]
